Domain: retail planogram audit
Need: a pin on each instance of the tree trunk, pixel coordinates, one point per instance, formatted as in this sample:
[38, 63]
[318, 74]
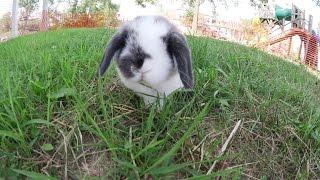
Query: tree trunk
[44, 19]
[14, 18]
[195, 16]
[26, 19]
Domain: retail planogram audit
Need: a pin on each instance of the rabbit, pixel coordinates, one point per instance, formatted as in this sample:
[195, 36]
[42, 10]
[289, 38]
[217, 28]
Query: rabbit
[152, 58]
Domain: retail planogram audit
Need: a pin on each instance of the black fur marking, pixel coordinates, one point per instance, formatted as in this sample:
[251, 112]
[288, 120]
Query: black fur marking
[117, 42]
[177, 48]
[139, 56]
[125, 37]
[125, 64]
[134, 59]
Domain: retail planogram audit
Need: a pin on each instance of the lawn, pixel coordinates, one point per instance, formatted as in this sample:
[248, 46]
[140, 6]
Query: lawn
[56, 120]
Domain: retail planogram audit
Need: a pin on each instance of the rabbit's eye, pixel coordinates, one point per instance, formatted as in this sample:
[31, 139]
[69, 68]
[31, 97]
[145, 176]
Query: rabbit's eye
[139, 62]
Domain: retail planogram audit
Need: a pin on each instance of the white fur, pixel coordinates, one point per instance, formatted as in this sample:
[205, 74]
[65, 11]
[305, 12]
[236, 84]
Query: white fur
[157, 77]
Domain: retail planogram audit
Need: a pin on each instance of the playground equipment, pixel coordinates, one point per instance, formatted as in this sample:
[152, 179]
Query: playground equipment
[296, 17]
[309, 42]
[283, 13]
[280, 16]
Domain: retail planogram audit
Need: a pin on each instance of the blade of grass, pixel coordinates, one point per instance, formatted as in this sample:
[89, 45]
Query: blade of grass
[11, 134]
[33, 175]
[171, 152]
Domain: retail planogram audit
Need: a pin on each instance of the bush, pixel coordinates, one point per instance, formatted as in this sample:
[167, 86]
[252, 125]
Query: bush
[254, 31]
[5, 23]
[83, 20]
[188, 17]
[111, 19]
[88, 20]
[30, 25]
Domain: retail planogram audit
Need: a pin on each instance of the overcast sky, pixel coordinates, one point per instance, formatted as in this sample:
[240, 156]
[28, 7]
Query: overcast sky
[5, 6]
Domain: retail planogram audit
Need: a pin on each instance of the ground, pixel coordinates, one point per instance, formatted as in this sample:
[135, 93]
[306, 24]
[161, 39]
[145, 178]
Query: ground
[57, 120]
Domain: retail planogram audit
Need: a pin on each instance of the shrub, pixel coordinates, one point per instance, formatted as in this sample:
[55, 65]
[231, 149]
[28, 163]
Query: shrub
[30, 25]
[5, 23]
[254, 31]
[111, 19]
[79, 20]
[188, 17]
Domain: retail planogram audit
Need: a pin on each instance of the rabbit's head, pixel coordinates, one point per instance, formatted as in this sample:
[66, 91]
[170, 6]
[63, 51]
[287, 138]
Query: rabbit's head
[149, 49]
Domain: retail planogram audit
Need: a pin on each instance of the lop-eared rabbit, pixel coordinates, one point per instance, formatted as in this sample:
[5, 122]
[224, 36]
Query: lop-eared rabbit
[153, 58]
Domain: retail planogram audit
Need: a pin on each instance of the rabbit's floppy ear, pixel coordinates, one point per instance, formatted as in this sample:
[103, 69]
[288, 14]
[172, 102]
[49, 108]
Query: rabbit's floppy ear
[178, 50]
[116, 43]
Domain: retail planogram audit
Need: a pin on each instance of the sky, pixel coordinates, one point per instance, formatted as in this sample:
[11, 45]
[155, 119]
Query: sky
[5, 6]
[128, 9]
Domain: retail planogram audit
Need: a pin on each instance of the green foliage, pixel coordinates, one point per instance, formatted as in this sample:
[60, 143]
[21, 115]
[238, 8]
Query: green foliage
[62, 92]
[143, 3]
[188, 17]
[33, 175]
[92, 6]
[47, 147]
[29, 5]
[74, 5]
[190, 3]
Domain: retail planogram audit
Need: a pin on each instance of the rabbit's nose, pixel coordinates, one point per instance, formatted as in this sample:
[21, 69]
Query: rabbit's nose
[143, 72]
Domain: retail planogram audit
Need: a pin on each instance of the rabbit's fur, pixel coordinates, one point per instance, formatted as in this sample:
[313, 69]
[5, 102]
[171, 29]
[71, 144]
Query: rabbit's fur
[153, 58]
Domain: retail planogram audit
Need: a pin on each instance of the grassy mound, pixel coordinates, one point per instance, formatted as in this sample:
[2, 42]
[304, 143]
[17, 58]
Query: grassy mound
[55, 120]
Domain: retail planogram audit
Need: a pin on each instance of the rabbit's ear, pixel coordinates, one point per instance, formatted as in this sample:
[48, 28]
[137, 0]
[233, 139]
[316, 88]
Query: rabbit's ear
[117, 42]
[178, 50]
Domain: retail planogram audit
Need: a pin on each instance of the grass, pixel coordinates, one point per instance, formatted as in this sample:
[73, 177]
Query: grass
[56, 120]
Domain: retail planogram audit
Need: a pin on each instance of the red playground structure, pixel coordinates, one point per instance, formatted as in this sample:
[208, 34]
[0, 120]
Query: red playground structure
[309, 40]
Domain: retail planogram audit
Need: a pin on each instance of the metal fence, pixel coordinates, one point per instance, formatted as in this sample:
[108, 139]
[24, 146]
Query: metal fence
[17, 22]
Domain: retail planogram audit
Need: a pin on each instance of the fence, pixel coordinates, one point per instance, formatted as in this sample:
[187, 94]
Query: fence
[17, 22]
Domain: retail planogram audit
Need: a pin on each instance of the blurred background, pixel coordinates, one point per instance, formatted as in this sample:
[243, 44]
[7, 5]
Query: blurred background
[248, 22]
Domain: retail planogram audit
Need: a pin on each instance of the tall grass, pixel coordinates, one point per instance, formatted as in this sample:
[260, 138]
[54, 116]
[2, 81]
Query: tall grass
[56, 120]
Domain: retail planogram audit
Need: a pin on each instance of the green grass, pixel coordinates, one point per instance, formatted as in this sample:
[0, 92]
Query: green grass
[56, 120]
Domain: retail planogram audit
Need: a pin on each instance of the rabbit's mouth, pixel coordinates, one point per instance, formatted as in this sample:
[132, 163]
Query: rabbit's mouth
[142, 79]
[143, 75]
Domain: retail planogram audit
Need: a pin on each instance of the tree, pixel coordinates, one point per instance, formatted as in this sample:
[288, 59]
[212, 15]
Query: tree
[44, 17]
[258, 3]
[87, 13]
[74, 5]
[144, 2]
[195, 18]
[14, 20]
[195, 5]
[92, 6]
[28, 7]
[317, 2]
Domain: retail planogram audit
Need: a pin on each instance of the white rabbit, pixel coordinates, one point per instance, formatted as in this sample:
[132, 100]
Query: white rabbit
[153, 58]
